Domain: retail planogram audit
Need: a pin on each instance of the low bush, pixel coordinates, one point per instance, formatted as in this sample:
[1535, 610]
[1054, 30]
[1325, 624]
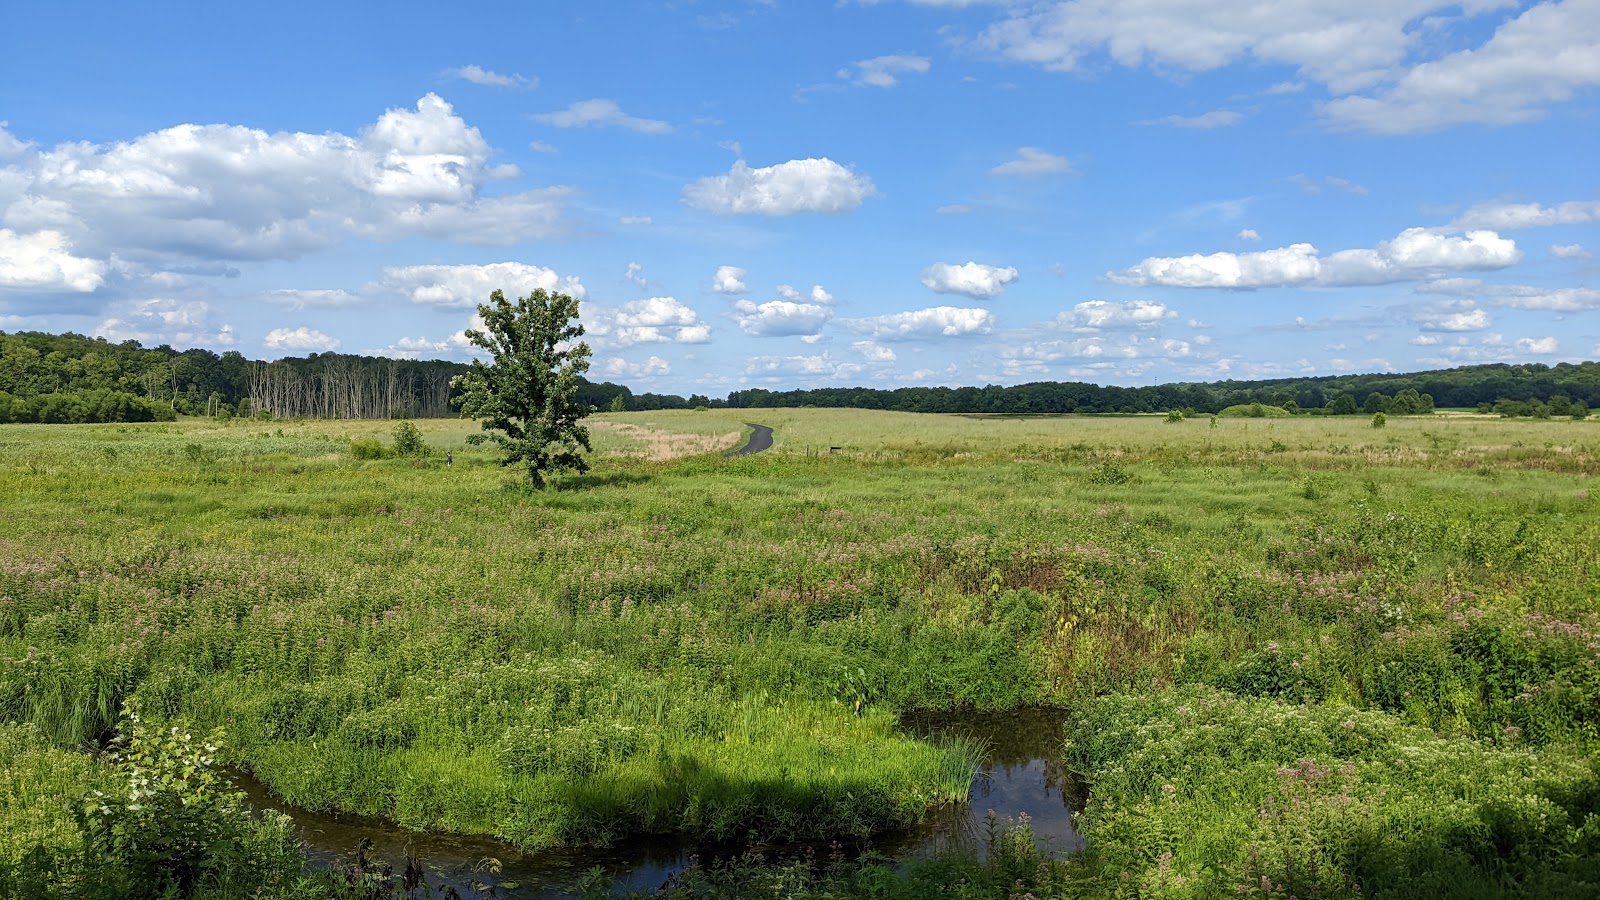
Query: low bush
[408, 440]
[1255, 411]
[162, 822]
[369, 448]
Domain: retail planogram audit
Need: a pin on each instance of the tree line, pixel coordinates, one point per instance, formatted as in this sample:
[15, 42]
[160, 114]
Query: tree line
[73, 378]
[1497, 388]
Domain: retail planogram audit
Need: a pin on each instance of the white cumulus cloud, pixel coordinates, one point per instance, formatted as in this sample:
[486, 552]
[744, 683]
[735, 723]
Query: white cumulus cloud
[1570, 251]
[1414, 254]
[163, 320]
[303, 339]
[655, 320]
[226, 192]
[818, 295]
[938, 321]
[468, 286]
[616, 366]
[1094, 315]
[780, 318]
[971, 279]
[1393, 66]
[43, 261]
[1542, 57]
[796, 186]
[1538, 345]
[729, 280]
[416, 348]
[874, 351]
[1458, 315]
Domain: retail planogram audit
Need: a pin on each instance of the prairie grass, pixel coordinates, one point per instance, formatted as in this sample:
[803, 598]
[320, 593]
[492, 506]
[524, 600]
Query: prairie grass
[720, 647]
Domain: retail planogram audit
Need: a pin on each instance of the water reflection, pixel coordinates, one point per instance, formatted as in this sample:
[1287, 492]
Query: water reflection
[1021, 774]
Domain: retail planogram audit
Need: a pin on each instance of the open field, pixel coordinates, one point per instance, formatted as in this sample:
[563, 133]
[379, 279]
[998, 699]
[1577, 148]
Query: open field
[1303, 656]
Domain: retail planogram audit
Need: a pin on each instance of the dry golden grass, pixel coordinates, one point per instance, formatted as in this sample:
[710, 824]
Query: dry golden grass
[658, 446]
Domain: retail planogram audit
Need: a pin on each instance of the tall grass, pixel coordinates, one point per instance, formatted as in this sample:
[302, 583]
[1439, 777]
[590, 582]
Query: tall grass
[719, 647]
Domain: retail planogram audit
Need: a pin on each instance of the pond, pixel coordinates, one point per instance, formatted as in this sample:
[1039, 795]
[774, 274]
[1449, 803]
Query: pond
[1021, 775]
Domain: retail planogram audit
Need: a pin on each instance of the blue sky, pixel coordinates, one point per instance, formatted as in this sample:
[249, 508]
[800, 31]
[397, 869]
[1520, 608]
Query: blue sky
[789, 194]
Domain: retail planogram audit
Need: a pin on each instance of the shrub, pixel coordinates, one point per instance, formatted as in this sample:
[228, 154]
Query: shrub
[368, 448]
[408, 440]
[1254, 411]
[180, 824]
[168, 824]
[1378, 420]
[1110, 472]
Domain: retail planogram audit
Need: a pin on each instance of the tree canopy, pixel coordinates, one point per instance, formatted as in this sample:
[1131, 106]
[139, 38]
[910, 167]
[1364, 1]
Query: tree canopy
[527, 396]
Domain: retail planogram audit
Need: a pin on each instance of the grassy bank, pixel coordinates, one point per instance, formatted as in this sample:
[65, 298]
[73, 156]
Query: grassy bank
[719, 647]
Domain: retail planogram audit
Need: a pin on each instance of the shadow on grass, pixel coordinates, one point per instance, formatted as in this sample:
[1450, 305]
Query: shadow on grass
[593, 480]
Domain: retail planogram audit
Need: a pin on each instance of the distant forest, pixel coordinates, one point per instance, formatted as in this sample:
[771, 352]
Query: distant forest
[72, 378]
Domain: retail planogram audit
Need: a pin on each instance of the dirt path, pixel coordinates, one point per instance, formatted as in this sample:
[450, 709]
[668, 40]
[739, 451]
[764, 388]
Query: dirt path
[760, 439]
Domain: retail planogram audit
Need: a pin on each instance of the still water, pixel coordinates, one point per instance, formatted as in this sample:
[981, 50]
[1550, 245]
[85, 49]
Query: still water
[1021, 775]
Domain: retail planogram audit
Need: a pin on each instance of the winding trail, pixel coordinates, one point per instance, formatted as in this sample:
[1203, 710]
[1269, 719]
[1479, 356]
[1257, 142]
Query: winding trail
[760, 439]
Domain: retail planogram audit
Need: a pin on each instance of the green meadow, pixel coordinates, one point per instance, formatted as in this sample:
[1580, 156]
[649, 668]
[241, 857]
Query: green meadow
[1300, 656]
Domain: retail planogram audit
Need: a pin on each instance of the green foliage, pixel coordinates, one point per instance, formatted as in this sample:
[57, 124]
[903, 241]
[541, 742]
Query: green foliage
[369, 448]
[173, 824]
[1110, 472]
[704, 647]
[619, 403]
[1199, 793]
[526, 396]
[1254, 411]
[92, 380]
[1174, 417]
[165, 824]
[1378, 420]
[408, 440]
[39, 786]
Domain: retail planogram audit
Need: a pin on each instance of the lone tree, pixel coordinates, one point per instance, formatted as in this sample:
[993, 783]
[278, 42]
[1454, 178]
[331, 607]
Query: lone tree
[529, 393]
